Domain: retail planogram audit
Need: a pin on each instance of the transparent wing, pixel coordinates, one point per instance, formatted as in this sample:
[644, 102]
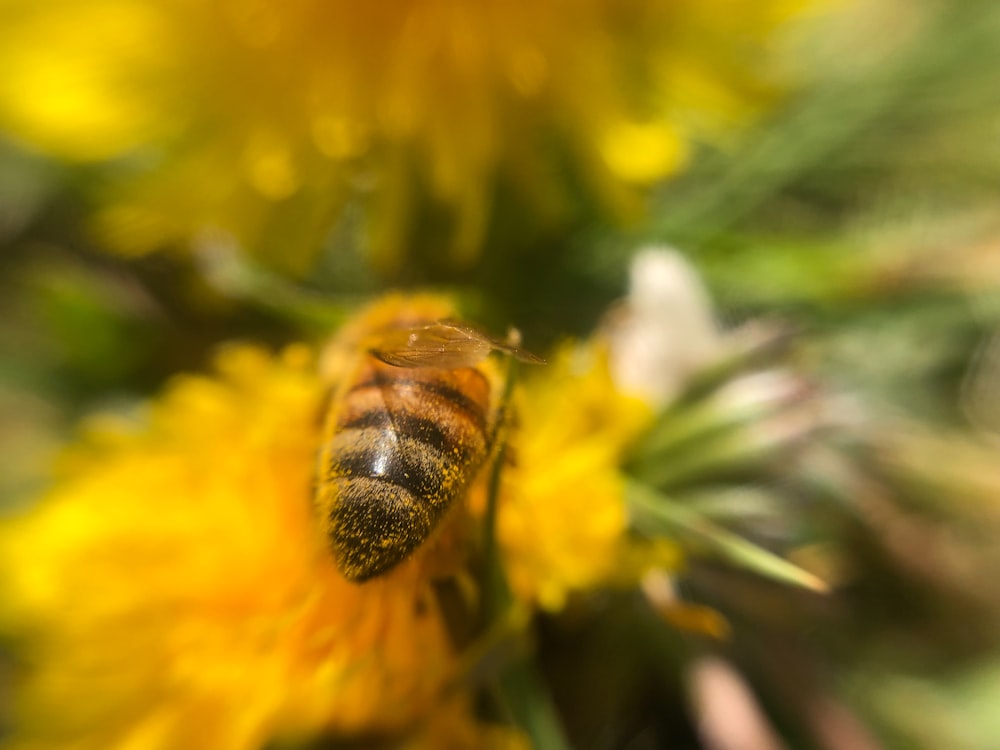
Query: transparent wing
[444, 344]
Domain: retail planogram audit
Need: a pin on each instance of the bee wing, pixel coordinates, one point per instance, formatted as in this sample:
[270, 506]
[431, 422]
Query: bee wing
[509, 346]
[444, 344]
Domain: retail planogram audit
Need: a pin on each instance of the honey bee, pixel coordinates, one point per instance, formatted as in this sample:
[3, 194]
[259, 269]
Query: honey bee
[413, 416]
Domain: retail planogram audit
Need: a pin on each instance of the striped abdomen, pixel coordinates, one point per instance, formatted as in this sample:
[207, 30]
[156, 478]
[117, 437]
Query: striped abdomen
[401, 445]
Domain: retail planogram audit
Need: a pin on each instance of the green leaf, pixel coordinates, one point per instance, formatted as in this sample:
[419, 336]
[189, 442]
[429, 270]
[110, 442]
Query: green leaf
[656, 513]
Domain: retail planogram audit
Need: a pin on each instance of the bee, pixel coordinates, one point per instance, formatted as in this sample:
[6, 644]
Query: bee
[414, 413]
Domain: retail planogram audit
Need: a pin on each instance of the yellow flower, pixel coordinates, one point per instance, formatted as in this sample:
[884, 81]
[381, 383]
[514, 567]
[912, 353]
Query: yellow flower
[261, 119]
[561, 516]
[176, 592]
[175, 589]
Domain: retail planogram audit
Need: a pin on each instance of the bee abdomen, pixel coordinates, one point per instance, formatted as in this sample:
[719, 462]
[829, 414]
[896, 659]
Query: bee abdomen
[375, 525]
[401, 448]
[425, 431]
[389, 457]
[456, 396]
[391, 487]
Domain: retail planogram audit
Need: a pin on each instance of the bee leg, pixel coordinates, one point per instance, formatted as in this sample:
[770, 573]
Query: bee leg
[497, 597]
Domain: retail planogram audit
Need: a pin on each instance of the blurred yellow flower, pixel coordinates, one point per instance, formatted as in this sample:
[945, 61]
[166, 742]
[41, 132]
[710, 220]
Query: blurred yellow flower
[261, 119]
[562, 524]
[176, 590]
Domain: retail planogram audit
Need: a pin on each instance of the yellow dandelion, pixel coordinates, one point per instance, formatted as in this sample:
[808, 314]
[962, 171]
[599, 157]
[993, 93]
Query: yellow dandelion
[262, 119]
[176, 593]
[562, 525]
[177, 589]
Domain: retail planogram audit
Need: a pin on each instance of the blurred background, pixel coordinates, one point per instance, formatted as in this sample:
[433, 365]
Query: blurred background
[174, 176]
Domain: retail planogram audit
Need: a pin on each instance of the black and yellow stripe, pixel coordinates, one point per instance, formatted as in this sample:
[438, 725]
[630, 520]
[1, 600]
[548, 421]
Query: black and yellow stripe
[403, 445]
